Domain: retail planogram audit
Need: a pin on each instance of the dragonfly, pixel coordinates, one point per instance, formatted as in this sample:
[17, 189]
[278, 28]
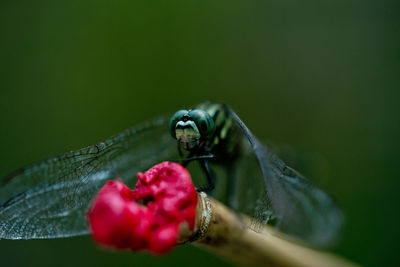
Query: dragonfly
[49, 199]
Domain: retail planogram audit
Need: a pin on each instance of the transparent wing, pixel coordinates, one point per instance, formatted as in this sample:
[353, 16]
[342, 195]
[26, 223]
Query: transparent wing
[273, 193]
[49, 199]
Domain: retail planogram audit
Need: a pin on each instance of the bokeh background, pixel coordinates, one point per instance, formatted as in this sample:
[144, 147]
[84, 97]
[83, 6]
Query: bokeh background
[319, 79]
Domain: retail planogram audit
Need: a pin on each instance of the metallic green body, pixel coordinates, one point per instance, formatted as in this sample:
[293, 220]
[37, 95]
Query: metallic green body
[225, 142]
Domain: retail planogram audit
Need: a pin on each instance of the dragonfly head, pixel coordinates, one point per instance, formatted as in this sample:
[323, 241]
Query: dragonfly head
[191, 128]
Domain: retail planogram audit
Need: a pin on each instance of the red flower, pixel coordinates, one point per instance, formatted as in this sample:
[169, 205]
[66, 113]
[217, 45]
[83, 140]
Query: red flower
[149, 217]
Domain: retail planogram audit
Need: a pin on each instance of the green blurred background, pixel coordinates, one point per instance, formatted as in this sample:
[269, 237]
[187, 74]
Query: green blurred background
[318, 78]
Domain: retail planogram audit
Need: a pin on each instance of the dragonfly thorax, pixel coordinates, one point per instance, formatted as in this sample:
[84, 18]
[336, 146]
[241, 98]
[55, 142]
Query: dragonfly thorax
[191, 128]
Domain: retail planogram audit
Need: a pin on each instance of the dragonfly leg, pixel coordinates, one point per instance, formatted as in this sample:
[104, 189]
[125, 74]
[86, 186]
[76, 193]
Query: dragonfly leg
[210, 177]
[184, 162]
[202, 157]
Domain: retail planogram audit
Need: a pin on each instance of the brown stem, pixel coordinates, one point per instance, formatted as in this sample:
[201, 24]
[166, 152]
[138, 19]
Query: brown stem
[218, 229]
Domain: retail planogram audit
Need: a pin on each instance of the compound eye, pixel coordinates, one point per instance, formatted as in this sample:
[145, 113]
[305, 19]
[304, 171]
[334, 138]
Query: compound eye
[203, 121]
[175, 119]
